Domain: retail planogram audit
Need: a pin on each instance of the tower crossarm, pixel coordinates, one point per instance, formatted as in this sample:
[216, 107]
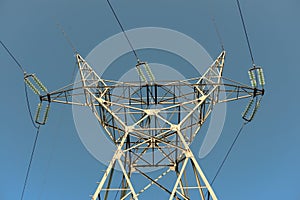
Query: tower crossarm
[233, 90]
[69, 94]
[78, 93]
[227, 89]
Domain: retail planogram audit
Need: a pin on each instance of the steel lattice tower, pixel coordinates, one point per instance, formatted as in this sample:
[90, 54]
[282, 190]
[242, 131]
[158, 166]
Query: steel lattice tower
[152, 123]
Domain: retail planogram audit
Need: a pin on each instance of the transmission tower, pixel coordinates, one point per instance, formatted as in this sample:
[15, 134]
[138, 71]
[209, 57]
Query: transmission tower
[152, 123]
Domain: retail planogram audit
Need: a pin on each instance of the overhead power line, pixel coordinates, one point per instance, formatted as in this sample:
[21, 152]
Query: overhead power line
[31, 117]
[30, 161]
[13, 57]
[240, 130]
[119, 22]
[245, 31]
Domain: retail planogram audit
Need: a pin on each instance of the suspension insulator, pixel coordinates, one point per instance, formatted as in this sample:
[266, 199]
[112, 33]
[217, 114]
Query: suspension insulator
[141, 74]
[247, 115]
[32, 87]
[261, 77]
[38, 119]
[255, 110]
[247, 109]
[149, 72]
[39, 83]
[252, 78]
[46, 113]
[38, 112]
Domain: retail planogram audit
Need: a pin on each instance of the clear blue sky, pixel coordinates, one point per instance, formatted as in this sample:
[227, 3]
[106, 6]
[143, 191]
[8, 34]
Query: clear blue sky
[264, 164]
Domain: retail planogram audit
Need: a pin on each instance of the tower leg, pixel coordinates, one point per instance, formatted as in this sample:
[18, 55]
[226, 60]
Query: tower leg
[180, 190]
[199, 175]
[178, 180]
[207, 184]
[116, 158]
[202, 183]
